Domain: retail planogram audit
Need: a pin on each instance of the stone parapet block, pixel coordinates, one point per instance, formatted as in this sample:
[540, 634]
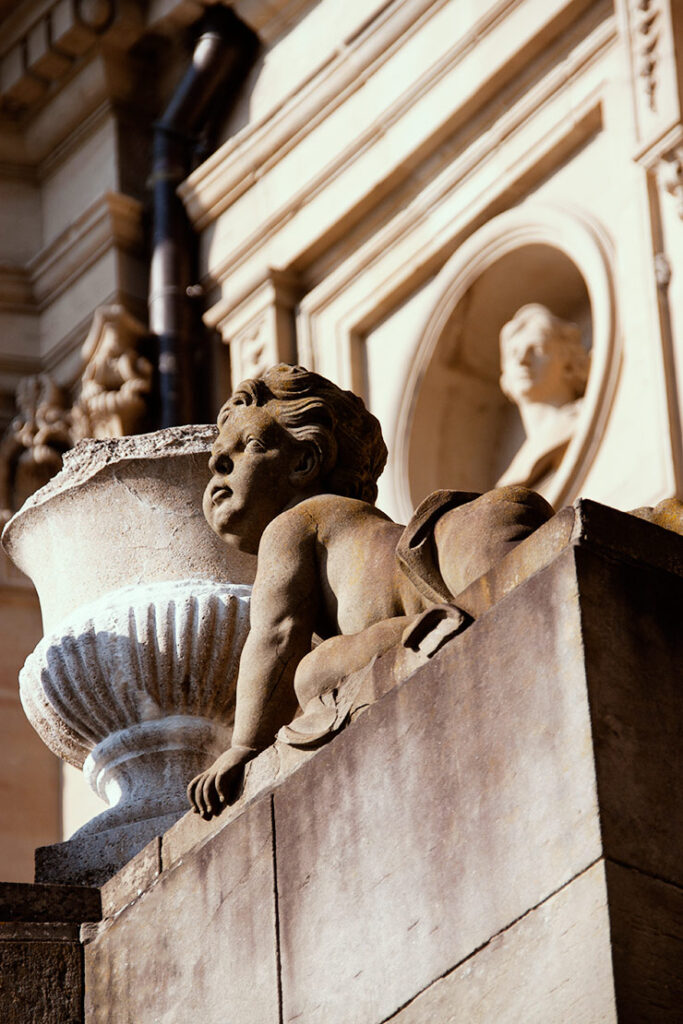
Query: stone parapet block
[41, 959]
[20, 901]
[214, 912]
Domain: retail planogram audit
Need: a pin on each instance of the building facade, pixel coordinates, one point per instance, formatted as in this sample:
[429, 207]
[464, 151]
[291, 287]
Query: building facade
[375, 195]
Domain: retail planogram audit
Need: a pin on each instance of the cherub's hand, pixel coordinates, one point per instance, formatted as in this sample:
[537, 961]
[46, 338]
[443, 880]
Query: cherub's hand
[217, 786]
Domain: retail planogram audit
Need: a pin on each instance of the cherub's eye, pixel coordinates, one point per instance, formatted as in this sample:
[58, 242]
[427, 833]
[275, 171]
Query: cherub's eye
[254, 445]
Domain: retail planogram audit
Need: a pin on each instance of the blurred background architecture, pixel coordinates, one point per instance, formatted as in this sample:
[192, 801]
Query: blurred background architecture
[373, 189]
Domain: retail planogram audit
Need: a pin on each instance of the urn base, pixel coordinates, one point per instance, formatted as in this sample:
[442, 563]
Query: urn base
[91, 859]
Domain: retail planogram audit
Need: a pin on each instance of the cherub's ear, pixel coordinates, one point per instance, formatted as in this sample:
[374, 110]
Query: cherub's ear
[306, 465]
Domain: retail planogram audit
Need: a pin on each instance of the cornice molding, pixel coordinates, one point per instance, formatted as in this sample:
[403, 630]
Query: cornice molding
[112, 220]
[233, 260]
[411, 217]
[46, 49]
[240, 161]
[587, 118]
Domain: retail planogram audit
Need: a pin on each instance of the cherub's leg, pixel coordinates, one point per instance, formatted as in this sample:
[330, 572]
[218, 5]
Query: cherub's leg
[333, 659]
[472, 538]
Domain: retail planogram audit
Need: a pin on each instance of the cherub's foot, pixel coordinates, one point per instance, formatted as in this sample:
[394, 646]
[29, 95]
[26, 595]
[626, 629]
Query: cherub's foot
[434, 627]
[219, 785]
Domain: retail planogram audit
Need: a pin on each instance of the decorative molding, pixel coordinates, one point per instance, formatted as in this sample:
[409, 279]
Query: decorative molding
[270, 18]
[652, 29]
[234, 167]
[245, 159]
[113, 219]
[587, 247]
[260, 330]
[115, 378]
[250, 351]
[58, 151]
[32, 447]
[239, 263]
[48, 49]
[400, 256]
[647, 16]
[111, 388]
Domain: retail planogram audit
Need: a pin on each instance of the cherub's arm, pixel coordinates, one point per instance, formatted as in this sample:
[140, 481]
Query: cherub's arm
[283, 611]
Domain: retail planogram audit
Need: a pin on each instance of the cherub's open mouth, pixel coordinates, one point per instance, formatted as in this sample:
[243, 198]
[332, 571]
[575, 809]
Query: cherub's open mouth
[219, 493]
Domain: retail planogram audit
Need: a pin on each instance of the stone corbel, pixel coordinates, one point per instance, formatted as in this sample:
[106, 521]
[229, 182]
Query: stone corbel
[115, 378]
[260, 330]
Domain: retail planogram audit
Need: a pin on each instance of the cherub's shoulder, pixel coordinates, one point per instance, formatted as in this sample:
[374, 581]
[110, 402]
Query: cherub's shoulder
[325, 508]
[317, 515]
[293, 522]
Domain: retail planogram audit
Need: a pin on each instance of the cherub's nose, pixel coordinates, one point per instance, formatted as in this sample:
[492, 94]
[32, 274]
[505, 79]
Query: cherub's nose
[220, 462]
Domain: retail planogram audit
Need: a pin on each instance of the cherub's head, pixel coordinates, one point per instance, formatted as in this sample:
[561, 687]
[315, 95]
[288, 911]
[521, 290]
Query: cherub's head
[284, 437]
[542, 358]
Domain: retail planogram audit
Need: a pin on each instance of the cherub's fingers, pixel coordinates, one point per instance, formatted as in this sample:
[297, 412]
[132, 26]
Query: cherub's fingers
[226, 786]
[199, 794]
[209, 794]
[192, 786]
[199, 797]
[217, 803]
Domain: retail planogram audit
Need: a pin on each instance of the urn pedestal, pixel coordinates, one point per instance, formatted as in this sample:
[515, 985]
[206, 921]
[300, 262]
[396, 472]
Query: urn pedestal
[145, 613]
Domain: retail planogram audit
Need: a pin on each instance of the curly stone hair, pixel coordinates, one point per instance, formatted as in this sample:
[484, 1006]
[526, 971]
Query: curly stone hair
[348, 438]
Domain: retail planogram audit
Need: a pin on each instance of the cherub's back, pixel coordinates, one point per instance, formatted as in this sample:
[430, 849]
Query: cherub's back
[356, 545]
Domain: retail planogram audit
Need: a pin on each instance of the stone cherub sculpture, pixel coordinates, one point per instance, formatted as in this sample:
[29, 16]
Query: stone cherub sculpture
[294, 471]
[544, 372]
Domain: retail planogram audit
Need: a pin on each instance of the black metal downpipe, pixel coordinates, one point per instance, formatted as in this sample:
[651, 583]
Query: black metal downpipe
[224, 49]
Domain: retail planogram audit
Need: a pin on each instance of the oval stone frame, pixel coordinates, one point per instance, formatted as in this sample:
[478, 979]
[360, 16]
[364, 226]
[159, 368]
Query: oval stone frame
[586, 245]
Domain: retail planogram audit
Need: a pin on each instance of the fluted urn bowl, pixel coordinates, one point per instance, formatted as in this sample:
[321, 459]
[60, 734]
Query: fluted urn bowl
[145, 613]
[138, 690]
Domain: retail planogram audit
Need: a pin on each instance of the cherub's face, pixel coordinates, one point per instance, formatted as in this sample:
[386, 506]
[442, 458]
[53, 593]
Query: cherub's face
[252, 461]
[534, 365]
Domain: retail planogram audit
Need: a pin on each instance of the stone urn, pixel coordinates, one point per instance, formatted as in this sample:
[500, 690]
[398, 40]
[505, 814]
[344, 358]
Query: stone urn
[145, 613]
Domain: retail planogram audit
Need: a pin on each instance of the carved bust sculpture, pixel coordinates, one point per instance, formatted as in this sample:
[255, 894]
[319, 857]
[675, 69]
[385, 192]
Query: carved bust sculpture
[294, 471]
[544, 372]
